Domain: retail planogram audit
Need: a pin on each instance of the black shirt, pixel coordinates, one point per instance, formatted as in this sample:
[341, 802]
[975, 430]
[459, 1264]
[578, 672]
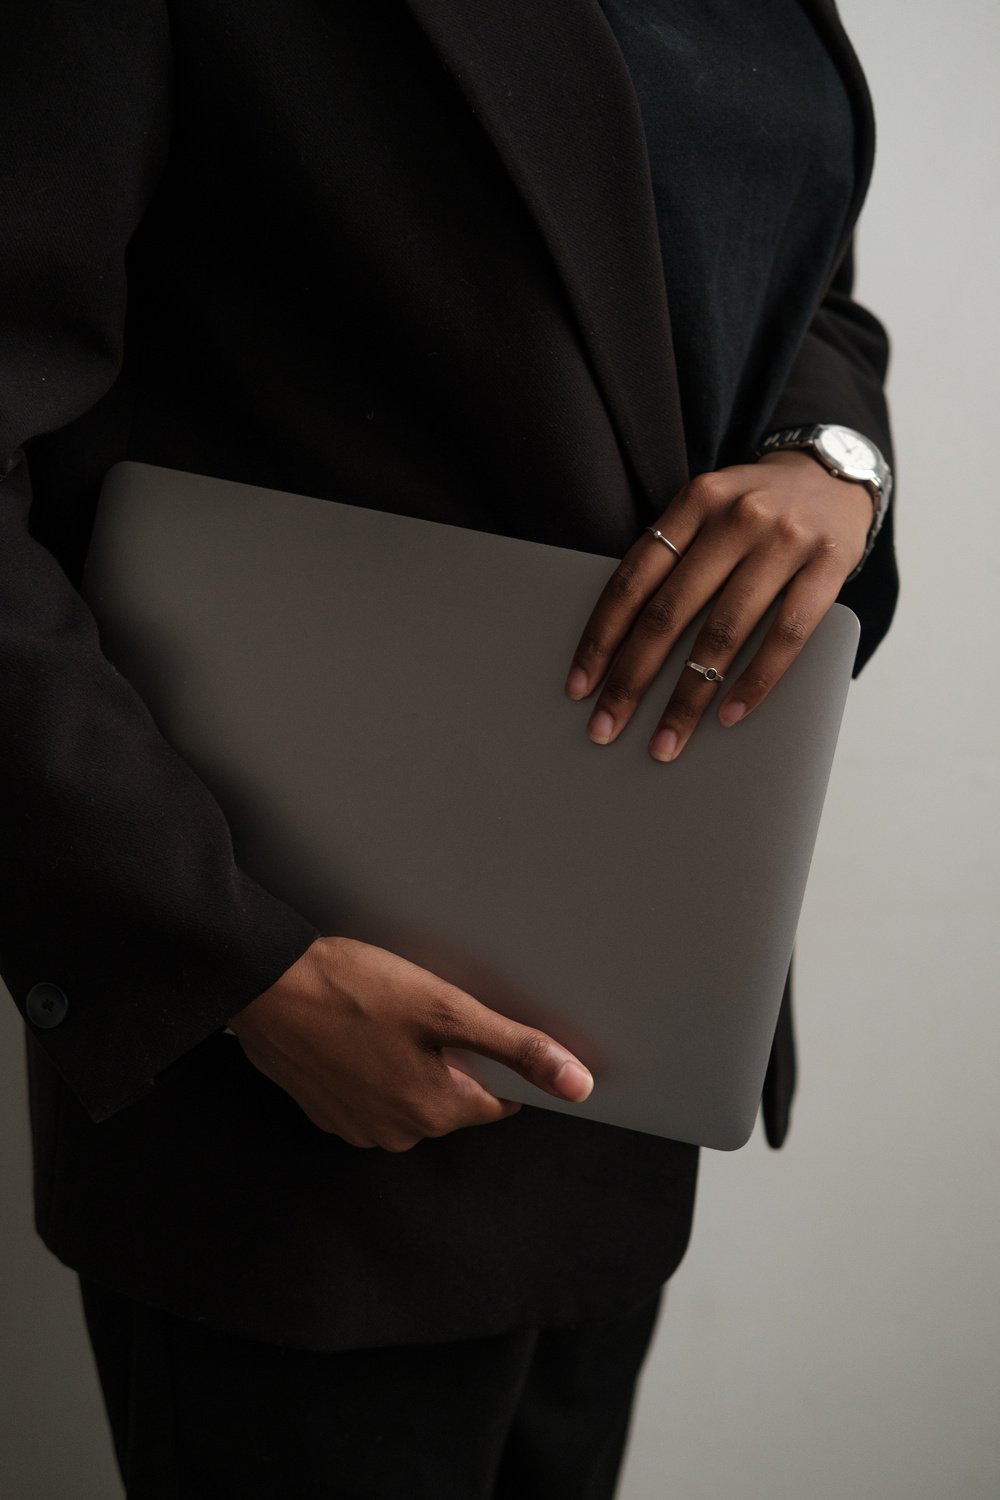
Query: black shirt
[750, 139]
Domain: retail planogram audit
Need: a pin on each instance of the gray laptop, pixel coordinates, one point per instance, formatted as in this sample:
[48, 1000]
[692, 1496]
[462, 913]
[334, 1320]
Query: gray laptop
[376, 701]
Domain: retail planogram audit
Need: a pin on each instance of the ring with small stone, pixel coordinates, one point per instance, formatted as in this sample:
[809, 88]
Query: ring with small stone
[661, 538]
[710, 674]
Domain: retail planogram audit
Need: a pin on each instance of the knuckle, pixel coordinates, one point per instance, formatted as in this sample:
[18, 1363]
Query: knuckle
[789, 531]
[743, 594]
[681, 713]
[590, 651]
[659, 618]
[618, 691]
[431, 1120]
[758, 684]
[400, 1143]
[322, 1117]
[752, 509]
[790, 632]
[829, 547]
[720, 635]
[623, 585]
[531, 1049]
[704, 490]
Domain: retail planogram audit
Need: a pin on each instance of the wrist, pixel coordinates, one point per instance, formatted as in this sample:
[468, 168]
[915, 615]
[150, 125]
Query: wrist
[291, 981]
[846, 455]
[846, 499]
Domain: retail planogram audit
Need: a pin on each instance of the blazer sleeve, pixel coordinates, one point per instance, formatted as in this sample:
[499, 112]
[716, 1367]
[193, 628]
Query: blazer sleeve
[839, 375]
[118, 882]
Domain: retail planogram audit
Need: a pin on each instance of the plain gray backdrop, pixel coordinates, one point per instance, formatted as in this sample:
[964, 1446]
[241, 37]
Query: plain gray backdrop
[834, 1331]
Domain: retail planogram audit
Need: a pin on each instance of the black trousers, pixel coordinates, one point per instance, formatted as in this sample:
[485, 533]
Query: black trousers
[199, 1414]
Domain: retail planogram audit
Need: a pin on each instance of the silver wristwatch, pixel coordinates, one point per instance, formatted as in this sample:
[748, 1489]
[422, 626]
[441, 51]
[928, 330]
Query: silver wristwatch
[848, 455]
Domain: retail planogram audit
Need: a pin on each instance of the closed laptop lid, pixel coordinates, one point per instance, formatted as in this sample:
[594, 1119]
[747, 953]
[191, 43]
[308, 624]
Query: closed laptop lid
[376, 701]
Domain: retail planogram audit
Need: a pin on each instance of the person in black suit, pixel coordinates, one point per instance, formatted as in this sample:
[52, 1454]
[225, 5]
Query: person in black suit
[557, 272]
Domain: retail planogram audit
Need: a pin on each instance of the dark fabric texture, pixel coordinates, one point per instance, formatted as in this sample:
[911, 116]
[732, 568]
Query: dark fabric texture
[401, 255]
[750, 133]
[779, 1080]
[196, 1414]
[216, 1197]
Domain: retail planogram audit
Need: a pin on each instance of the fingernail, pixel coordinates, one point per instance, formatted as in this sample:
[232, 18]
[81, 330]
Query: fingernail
[732, 712]
[601, 727]
[663, 745]
[574, 1082]
[576, 683]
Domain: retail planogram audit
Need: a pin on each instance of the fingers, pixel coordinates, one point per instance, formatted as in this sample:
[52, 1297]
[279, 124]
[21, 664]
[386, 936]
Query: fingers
[479, 1106]
[446, 1098]
[463, 1022]
[655, 595]
[645, 566]
[806, 601]
[377, 1069]
[748, 537]
[461, 1103]
[736, 613]
[655, 629]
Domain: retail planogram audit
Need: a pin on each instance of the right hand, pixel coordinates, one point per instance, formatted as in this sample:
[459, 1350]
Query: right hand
[355, 1033]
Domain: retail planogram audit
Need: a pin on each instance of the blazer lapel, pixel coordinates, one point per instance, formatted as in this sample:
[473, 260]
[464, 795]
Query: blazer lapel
[551, 89]
[827, 22]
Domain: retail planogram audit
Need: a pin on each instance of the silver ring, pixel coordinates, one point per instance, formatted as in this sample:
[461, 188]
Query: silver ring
[661, 538]
[710, 674]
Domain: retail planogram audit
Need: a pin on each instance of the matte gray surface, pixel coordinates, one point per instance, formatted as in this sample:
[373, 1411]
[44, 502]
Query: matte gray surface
[834, 1331]
[376, 701]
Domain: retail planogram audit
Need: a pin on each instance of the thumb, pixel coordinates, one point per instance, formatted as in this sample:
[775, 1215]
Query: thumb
[533, 1054]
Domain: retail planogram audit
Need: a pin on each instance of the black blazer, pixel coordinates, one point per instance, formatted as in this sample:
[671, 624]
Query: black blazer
[403, 255]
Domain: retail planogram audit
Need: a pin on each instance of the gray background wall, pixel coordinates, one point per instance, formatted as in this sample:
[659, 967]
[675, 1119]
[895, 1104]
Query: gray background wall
[835, 1328]
[834, 1331]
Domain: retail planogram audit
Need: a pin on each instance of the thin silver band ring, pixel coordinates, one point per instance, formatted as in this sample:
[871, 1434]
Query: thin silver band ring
[710, 674]
[661, 538]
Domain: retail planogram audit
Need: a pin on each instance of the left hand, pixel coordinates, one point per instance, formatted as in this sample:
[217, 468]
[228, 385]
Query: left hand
[747, 534]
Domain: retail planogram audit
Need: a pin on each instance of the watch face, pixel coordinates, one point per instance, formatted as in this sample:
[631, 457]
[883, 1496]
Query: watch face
[848, 450]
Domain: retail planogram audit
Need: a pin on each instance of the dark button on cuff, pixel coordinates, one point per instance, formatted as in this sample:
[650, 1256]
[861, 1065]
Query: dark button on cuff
[46, 1005]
